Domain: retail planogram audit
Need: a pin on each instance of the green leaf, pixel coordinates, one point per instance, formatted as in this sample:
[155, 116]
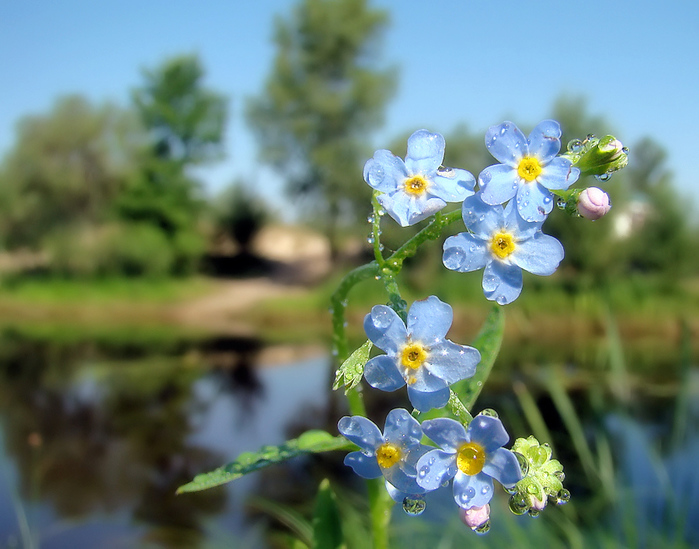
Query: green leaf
[350, 373]
[488, 344]
[288, 517]
[327, 528]
[315, 441]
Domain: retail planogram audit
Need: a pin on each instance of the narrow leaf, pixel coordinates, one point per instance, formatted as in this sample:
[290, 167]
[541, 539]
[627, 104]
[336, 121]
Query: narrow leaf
[287, 516]
[350, 373]
[327, 528]
[315, 441]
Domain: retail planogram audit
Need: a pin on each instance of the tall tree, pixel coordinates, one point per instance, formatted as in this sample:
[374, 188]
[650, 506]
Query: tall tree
[325, 93]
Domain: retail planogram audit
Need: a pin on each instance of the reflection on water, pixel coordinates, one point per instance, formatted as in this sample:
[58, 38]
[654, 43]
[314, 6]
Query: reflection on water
[92, 451]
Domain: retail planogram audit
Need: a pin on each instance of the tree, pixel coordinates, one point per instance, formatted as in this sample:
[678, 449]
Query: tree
[322, 98]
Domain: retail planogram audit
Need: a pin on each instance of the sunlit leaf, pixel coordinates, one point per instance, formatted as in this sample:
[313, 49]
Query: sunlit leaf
[350, 373]
[315, 441]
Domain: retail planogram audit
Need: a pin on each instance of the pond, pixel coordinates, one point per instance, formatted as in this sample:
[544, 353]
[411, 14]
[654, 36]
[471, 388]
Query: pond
[94, 444]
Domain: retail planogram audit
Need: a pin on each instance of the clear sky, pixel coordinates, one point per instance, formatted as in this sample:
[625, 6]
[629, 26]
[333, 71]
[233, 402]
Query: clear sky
[472, 61]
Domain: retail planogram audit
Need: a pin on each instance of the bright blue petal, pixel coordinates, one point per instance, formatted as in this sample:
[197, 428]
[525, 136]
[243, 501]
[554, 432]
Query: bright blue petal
[424, 381]
[429, 320]
[506, 143]
[401, 481]
[364, 466]
[425, 153]
[502, 282]
[452, 362]
[545, 141]
[382, 373]
[385, 171]
[503, 466]
[480, 218]
[435, 468]
[447, 433]
[465, 253]
[488, 432]
[402, 428]
[534, 202]
[472, 491]
[361, 431]
[385, 329]
[498, 184]
[422, 207]
[427, 401]
[453, 185]
[559, 174]
[539, 255]
[515, 224]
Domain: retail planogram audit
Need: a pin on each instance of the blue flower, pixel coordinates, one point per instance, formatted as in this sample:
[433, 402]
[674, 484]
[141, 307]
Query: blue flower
[473, 457]
[392, 455]
[529, 168]
[417, 188]
[418, 354]
[502, 242]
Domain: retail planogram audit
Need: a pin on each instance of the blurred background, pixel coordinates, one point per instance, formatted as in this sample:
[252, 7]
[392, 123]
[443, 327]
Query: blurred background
[181, 191]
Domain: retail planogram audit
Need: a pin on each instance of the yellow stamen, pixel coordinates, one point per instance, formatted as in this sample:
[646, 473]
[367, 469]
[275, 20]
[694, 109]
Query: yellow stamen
[387, 455]
[502, 245]
[415, 185]
[470, 458]
[529, 168]
[413, 355]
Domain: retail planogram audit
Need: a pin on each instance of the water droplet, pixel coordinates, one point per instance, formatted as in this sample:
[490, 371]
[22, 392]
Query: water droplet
[445, 172]
[370, 239]
[561, 204]
[470, 492]
[519, 504]
[575, 145]
[414, 506]
[547, 200]
[371, 218]
[563, 496]
[431, 461]
[485, 489]
[501, 300]
[560, 475]
[483, 528]
[604, 177]
[625, 150]
[523, 463]
[590, 137]
[423, 472]
[534, 512]
[488, 412]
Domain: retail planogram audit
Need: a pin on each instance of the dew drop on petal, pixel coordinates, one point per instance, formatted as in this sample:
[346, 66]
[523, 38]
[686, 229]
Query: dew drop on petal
[523, 463]
[488, 412]
[501, 300]
[483, 528]
[445, 172]
[414, 505]
[547, 200]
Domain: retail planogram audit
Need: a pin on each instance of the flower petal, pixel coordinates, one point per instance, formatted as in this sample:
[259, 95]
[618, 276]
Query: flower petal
[385, 171]
[559, 174]
[452, 362]
[534, 201]
[472, 491]
[402, 428]
[539, 255]
[487, 431]
[404, 483]
[447, 433]
[364, 466]
[385, 328]
[429, 320]
[465, 253]
[361, 431]
[545, 141]
[506, 143]
[425, 152]
[480, 218]
[427, 401]
[498, 184]
[452, 185]
[424, 381]
[502, 282]
[382, 373]
[435, 468]
[503, 466]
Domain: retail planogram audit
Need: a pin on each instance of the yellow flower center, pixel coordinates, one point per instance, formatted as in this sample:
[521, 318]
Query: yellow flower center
[502, 245]
[470, 458]
[387, 455]
[413, 355]
[529, 168]
[415, 185]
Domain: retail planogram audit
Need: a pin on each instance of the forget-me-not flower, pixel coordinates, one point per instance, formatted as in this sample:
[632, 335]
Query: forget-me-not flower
[393, 454]
[504, 243]
[472, 456]
[414, 189]
[417, 354]
[529, 168]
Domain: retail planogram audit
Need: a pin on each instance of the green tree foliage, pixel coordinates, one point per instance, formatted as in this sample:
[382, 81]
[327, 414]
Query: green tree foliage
[324, 95]
[184, 123]
[66, 168]
[240, 214]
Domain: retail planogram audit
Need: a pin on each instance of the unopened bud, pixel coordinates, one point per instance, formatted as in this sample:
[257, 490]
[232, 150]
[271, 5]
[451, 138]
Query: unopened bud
[600, 157]
[475, 516]
[593, 203]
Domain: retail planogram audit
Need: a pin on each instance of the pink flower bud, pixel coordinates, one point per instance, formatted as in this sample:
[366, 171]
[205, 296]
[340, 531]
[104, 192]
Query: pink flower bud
[593, 203]
[537, 504]
[475, 516]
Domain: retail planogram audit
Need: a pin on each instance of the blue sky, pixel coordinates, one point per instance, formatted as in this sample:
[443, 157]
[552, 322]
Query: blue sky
[472, 61]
